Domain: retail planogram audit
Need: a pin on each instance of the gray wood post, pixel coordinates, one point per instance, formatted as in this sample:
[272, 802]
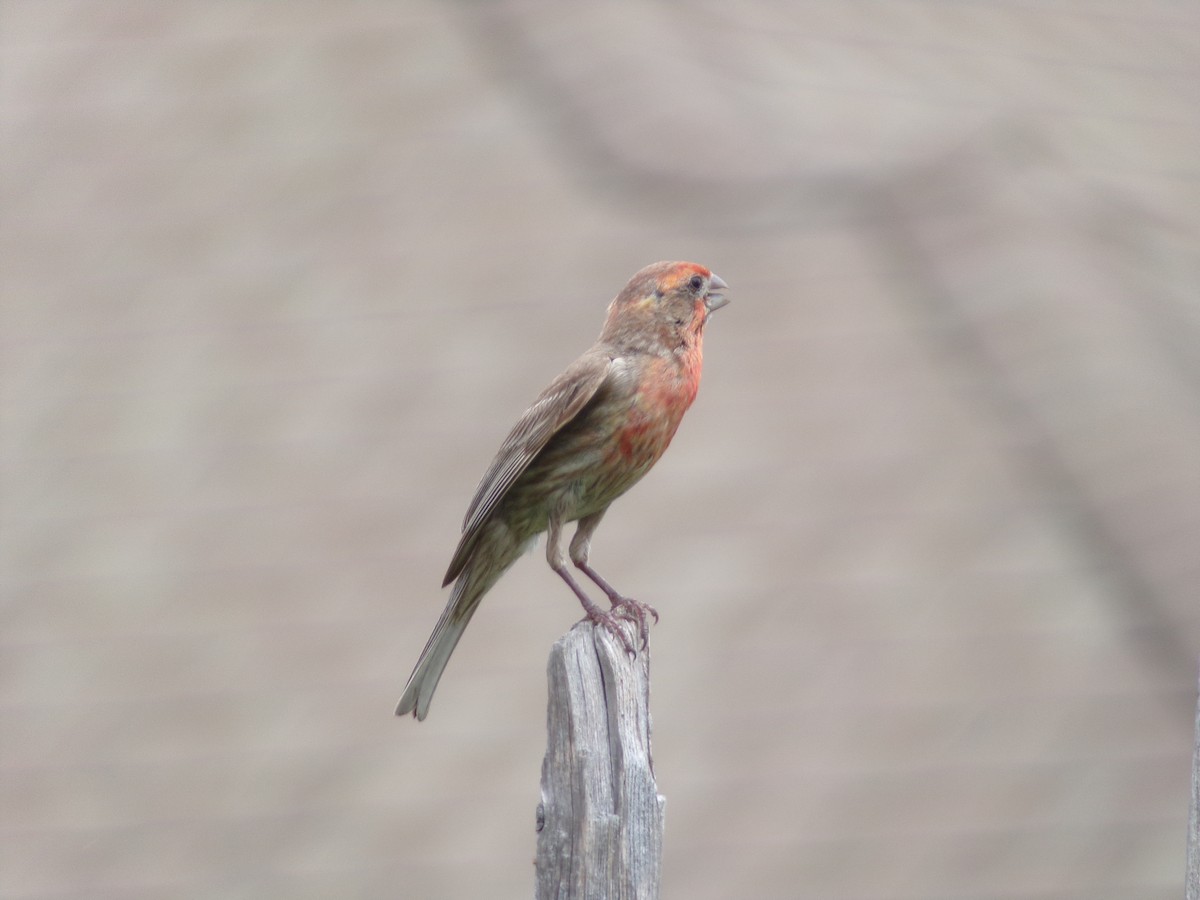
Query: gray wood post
[600, 822]
[1193, 853]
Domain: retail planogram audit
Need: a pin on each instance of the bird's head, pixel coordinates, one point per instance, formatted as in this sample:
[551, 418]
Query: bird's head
[665, 305]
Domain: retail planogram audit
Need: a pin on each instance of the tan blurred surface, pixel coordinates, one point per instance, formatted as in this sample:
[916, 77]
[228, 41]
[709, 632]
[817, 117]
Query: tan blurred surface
[277, 278]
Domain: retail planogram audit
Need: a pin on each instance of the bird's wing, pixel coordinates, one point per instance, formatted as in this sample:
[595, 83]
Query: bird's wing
[557, 405]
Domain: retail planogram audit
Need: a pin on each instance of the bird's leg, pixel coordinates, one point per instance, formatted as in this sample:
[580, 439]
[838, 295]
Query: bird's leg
[595, 614]
[581, 545]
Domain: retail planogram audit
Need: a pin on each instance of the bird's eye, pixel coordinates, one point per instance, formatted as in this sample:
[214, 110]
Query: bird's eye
[696, 283]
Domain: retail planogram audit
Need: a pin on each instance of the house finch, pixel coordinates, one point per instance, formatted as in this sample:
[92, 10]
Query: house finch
[585, 441]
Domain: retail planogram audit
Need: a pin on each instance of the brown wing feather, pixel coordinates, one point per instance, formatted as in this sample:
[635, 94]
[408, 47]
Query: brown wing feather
[557, 405]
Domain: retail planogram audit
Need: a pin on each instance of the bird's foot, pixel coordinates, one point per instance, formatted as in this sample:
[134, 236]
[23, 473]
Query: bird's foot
[635, 610]
[611, 621]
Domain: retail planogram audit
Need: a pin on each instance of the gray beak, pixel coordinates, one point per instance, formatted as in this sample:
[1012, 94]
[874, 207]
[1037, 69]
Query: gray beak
[713, 298]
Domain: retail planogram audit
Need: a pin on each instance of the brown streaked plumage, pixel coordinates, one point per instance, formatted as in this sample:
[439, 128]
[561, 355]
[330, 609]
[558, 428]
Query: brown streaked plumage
[586, 439]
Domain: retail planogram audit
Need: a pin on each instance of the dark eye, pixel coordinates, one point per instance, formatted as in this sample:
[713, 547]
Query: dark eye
[696, 283]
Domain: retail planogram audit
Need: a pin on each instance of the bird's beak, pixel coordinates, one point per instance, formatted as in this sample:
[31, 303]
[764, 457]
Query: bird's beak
[713, 298]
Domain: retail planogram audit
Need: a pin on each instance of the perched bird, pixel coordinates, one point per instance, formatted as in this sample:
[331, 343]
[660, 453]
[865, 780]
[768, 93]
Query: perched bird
[584, 442]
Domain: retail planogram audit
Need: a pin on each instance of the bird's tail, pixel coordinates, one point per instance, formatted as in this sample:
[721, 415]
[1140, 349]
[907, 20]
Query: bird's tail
[468, 590]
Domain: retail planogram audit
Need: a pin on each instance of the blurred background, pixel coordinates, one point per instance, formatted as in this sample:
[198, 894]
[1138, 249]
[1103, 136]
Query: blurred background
[277, 279]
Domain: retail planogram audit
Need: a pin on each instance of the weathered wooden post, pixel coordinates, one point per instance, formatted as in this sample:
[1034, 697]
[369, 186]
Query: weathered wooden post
[600, 820]
[1193, 852]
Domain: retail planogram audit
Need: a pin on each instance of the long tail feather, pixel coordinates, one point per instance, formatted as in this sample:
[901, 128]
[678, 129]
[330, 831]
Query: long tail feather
[450, 627]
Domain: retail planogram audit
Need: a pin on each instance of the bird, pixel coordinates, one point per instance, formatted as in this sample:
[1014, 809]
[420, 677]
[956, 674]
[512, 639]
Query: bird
[588, 437]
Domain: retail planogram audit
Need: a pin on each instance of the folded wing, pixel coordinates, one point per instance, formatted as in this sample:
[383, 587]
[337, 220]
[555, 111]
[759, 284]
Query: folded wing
[557, 405]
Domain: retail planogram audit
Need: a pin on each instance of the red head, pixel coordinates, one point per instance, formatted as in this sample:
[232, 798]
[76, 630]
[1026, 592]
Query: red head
[664, 307]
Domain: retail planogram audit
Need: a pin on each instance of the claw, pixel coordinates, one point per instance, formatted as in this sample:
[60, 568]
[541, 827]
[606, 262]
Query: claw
[636, 611]
[608, 620]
